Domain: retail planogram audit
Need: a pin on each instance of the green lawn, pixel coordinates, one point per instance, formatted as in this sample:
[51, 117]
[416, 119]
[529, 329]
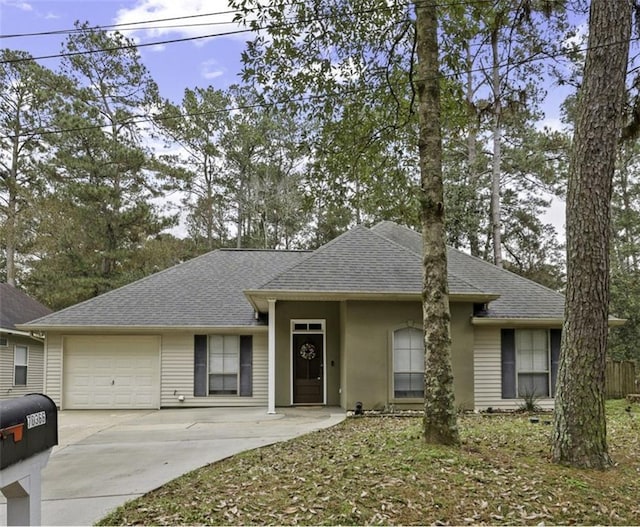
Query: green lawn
[378, 471]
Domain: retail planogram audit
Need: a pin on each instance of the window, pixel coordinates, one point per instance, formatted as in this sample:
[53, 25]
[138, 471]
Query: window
[20, 358]
[408, 363]
[532, 362]
[224, 364]
[530, 359]
[4, 342]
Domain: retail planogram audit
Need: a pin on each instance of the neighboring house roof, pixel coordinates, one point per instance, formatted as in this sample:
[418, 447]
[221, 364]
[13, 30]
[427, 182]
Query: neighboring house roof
[383, 261]
[17, 307]
[519, 297]
[204, 292]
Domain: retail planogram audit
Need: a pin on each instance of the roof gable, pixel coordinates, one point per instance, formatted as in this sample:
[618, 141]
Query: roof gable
[519, 296]
[358, 260]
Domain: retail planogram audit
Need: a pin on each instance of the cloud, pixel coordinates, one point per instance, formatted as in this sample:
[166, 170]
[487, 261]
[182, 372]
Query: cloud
[196, 18]
[24, 6]
[209, 71]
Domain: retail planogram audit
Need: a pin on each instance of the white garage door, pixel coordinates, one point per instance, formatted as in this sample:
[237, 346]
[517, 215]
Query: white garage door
[111, 372]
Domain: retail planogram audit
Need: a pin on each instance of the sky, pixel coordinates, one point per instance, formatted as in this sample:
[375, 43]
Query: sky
[175, 66]
[211, 61]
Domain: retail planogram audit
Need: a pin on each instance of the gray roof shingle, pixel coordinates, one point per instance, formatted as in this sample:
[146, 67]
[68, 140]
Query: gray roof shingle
[204, 292]
[17, 307]
[361, 260]
[519, 297]
[208, 291]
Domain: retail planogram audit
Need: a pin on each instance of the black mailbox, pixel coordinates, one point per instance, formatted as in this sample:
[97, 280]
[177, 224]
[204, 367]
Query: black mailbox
[28, 425]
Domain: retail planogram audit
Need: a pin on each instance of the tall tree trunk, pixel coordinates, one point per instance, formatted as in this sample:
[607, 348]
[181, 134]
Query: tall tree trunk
[12, 214]
[472, 152]
[439, 421]
[496, 215]
[580, 436]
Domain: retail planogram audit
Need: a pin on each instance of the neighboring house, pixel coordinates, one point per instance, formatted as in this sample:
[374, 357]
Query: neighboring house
[21, 354]
[333, 326]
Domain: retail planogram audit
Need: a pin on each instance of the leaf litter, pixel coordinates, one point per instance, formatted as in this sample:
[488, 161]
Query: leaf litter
[378, 471]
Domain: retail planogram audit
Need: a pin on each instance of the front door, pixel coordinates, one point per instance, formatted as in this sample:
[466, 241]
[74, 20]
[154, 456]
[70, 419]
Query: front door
[308, 368]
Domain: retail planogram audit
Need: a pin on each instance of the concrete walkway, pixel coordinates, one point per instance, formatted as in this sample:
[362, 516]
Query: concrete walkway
[106, 458]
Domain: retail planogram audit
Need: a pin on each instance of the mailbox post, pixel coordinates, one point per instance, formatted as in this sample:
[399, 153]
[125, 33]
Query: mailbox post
[28, 432]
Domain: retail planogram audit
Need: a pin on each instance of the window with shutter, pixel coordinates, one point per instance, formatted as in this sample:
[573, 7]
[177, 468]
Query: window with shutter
[223, 365]
[529, 359]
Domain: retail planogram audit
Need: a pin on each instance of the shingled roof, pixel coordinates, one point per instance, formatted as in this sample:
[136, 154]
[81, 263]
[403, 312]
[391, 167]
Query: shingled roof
[204, 292]
[519, 297]
[209, 291]
[17, 307]
[363, 260]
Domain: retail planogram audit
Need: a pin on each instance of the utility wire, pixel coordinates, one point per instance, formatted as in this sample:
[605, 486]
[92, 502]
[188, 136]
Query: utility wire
[533, 58]
[186, 39]
[122, 26]
[125, 26]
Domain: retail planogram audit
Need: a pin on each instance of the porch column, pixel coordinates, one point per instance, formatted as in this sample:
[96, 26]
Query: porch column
[271, 406]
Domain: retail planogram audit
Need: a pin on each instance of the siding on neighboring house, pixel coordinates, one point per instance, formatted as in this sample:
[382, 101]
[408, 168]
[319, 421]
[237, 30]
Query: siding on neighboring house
[487, 369]
[53, 360]
[177, 373]
[35, 367]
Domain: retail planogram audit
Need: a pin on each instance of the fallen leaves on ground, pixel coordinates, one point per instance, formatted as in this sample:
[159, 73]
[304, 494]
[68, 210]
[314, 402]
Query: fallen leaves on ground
[378, 471]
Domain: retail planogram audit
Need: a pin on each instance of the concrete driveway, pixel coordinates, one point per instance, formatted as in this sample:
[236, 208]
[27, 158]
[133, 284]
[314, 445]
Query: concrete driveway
[106, 458]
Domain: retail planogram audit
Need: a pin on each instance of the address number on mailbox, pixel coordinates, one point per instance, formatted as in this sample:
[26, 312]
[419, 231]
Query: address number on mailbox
[37, 419]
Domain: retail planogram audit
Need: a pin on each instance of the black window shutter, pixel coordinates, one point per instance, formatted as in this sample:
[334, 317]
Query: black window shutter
[246, 366]
[200, 365]
[554, 338]
[508, 352]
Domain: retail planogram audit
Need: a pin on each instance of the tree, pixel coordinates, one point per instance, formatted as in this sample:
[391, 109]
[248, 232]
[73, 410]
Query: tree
[197, 127]
[347, 61]
[625, 254]
[439, 420]
[487, 46]
[579, 437]
[262, 173]
[29, 95]
[102, 179]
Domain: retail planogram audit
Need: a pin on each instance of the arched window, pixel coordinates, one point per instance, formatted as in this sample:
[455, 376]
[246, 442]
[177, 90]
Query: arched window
[408, 363]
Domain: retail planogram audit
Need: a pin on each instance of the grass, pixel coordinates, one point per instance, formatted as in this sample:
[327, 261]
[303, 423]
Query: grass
[379, 471]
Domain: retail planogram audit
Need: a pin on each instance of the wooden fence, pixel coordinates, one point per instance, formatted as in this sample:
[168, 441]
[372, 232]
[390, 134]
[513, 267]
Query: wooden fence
[620, 379]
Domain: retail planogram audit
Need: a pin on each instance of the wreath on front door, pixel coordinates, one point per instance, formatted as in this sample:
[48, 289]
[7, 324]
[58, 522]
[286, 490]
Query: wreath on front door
[308, 351]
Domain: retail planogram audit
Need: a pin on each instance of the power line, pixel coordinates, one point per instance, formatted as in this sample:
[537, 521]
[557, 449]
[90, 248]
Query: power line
[185, 39]
[123, 25]
[508, 64]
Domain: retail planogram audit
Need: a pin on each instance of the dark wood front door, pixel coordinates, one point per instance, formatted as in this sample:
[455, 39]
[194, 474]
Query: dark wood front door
[308, 368]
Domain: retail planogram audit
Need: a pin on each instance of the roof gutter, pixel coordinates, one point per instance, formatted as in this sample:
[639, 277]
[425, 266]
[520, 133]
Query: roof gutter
[531, 322]
[113, 329]
[18, 332]
[258, 297]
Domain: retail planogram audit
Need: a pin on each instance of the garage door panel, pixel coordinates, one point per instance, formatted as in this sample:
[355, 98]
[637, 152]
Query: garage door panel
[111, 372]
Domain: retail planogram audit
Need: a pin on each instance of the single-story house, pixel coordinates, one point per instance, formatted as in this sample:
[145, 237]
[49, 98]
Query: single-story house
[21, 352]
[334, 326]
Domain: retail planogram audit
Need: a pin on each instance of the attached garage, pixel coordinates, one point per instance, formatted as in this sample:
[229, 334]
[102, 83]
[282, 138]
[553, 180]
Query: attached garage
[111, 372]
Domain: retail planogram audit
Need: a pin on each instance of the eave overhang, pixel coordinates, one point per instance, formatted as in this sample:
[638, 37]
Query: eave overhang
[531, 322]
[121, 329]
[259, 297]
[17, 332]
